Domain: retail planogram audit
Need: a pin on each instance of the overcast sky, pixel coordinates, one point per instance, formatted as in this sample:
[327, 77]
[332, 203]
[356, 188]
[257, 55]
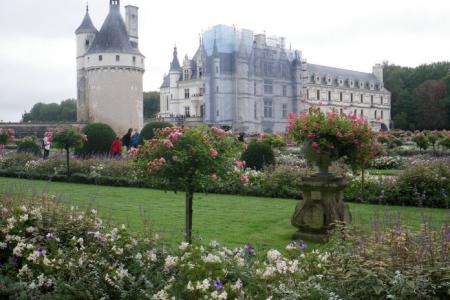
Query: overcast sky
[37, 41]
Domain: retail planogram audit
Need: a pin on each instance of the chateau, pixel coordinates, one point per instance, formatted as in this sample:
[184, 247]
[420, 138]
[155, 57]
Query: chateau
[110, 68]
[251, 83]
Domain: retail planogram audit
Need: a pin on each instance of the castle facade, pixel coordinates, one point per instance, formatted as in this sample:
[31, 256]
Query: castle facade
[251, 83]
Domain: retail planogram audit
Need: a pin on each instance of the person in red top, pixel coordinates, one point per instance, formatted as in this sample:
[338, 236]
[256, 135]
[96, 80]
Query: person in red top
[116, 148]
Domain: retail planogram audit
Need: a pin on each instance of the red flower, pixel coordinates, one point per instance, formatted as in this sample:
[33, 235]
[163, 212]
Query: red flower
[213, 152]
[214, 177]
[314, 145]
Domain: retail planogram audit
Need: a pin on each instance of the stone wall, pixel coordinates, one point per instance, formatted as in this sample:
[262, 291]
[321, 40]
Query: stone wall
[35, 129]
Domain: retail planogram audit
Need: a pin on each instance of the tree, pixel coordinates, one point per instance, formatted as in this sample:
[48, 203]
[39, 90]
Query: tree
[67, 139]
[151, 104]
[421, 141]
[429, 106]
[187, 160]
[66, 111]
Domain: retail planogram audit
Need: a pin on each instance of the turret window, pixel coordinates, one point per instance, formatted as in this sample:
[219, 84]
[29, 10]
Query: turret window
[340, 96]
[371, 99]
[381, 100]
[117, 57]
[329, 95]
[318, 94]
[381, 114]
[375, 114]
[134, 59]
[100, 58]
[362, 113]
[307, 94]
[362, 98]
[87, 44]
[200, 72]
[351, 97]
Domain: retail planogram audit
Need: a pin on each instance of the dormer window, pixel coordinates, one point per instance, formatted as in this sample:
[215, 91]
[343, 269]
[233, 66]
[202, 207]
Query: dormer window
[380, 86]
[86, 44]
[361, 84]
[329, 80]
[351, 83]
[340, 82]
[200, 72]
[371, 85]
[317, 78]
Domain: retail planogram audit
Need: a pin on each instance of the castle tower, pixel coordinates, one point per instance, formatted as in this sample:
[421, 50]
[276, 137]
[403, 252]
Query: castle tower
[175, 69]
[132, 22]
[242, 106]
[212, 105]
[114, 69]
[85, 34]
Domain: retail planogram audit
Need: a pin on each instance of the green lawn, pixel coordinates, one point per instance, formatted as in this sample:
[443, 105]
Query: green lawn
[231, 220]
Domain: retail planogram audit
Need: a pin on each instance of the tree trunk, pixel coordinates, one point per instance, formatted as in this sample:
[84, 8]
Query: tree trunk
[362, 185]
[188, 217]
[67, 161]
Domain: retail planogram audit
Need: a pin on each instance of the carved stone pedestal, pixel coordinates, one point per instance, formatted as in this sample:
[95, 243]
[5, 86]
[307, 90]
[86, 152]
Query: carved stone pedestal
[322, 206]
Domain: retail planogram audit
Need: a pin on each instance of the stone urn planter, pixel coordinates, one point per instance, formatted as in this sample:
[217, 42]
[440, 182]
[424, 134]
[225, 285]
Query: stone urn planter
[322, 206]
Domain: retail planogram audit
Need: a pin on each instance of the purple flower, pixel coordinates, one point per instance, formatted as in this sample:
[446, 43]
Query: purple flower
[302, 245]
[250, 250]
[41, 250]
[50, 236]
[218, 285]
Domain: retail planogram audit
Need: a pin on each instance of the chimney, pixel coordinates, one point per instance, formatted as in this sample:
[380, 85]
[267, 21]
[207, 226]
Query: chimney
[377, 71]
[132, 22]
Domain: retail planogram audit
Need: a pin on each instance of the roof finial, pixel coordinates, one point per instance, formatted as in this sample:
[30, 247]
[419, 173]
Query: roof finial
[87, 6]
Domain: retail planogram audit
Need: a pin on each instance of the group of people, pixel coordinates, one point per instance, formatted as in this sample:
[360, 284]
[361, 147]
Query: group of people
[129, 140]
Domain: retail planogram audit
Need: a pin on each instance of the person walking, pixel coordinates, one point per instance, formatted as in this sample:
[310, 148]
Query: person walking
[116, 148]
[135, 139]
[46, 143]
[126, 139]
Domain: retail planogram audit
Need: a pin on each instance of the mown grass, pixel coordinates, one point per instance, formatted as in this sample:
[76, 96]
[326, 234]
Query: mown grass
[230, 220]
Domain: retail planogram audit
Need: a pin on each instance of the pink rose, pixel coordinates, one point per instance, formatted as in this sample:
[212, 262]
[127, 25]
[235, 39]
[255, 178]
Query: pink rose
[240, 164]
[168, 144]
[314, 145]
[214, 177]
[213, 152]
[245, 180]
[311, 135]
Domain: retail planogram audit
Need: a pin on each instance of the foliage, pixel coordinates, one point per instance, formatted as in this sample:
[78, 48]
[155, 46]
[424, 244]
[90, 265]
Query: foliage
[412, 98]
[332, 136]
[273, 139]
[258, 155]
[386, 162]
[421, 141]
[66, 111]
[151, 104]
[28, 145]
[392, 263]
[6, 136]
[68, 138]
[148, 132]
[53, 252]
[99, 139]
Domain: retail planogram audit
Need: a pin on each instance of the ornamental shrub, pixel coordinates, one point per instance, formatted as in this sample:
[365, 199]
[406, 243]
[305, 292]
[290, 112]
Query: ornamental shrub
[148, 132]
[330, 136]
[258, 155]
[99, 139]
[28, 145]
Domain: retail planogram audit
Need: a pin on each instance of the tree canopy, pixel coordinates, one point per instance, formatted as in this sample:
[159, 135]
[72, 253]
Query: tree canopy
[66, 111]
[420, 96]
[151, 104]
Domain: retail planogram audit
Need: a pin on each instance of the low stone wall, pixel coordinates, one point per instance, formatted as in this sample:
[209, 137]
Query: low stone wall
[35, 129]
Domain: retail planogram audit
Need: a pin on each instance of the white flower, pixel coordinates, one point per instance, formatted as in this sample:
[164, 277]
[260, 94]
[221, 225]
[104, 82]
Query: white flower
[46, 261]
[138, 256]
[237, 286]
[211, 258]
[123, 226]
[203, 286]
[23, 208]
[170, 263]
[269, 272]
[30, 229]
[3, 245]
[293, 266]
[281, 266]
[94, 211]
[273, 255]
[161, 295]
[122, 273]
[17, 251]
[214, 244]
[216, 295]
[183, 246]
[150, 255]
[190, 287]
[24, 271]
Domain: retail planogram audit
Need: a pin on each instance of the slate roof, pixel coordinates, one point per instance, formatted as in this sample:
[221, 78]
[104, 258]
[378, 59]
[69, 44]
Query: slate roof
[336, 72]
[113, 36]
[166, 82]
[86, 25]
[175, 64]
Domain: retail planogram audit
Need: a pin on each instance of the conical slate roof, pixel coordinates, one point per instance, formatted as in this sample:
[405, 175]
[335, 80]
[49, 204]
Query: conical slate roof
[86, 26]
[113, 36]
[175, 64]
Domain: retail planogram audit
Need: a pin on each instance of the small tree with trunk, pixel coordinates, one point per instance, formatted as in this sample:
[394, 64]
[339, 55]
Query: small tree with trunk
[68, 138]
[186, 160]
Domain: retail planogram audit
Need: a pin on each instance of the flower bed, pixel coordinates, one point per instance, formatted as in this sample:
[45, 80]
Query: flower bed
[53, 252]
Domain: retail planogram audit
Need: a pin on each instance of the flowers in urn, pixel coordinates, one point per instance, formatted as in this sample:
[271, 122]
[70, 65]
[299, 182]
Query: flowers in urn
[330, 136]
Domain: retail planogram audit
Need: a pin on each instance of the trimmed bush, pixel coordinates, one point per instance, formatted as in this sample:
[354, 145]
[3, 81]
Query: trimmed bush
[148, 132]
[99, 139]
[28, 145]
[258, 155]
